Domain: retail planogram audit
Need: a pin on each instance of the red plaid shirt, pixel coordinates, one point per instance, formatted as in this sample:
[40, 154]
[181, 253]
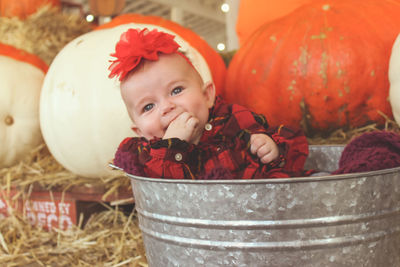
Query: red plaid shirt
[222, 153]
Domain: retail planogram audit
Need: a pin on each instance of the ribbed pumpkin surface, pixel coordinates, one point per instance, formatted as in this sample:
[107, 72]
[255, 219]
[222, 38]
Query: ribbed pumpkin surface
[324, 66]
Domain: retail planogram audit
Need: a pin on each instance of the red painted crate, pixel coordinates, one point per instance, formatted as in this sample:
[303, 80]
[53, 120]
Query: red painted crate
[57, 209]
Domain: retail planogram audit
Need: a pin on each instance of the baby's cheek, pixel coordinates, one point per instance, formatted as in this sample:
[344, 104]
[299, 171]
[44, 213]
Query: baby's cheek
[152, 128]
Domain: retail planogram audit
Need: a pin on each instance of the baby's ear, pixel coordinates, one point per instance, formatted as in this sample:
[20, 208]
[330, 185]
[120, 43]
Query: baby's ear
[209, 92]
[136, 130]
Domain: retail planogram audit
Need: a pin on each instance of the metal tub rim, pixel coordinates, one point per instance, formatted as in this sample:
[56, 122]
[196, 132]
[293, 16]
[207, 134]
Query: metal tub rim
[303, 179]
[271, 180]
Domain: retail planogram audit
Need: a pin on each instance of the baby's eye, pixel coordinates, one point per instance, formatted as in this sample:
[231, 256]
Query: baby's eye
[148, 107]
[176, 90]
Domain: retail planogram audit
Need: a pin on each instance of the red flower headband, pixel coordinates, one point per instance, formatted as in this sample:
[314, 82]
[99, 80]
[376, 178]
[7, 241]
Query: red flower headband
[135, 45]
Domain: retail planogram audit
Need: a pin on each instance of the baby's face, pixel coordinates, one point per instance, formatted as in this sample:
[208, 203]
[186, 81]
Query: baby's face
[159, 91]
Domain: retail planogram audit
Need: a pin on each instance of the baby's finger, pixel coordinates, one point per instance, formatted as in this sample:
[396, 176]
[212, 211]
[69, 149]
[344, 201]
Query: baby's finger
[192, 122]
[183, 117]
[181, 120]
[263, 150]
[271, 155]
[255, 144]
[267, 158]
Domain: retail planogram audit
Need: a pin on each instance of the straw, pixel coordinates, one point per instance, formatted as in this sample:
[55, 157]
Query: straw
[43, 33]
[341, 136]
[109, 238]
[39, 168]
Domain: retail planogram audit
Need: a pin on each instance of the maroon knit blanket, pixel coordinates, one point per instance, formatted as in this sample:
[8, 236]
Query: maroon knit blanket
[370, 152]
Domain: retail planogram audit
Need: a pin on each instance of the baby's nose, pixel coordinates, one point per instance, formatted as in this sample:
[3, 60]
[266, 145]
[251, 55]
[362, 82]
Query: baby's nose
[168, 106]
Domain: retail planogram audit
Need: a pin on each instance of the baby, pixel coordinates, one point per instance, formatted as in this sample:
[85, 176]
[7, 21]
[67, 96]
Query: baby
[185, 131]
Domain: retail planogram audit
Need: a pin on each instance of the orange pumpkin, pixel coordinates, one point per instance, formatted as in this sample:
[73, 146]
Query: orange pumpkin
[255, 13]
[213, 59]
[106, 7]
[324, 66]
[23, 8]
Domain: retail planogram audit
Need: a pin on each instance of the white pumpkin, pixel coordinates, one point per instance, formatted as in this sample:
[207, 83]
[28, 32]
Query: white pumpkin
[20, 84]
[82, 115]
[394, 78]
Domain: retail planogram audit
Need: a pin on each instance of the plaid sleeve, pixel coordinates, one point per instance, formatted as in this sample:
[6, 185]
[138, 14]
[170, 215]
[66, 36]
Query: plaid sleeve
[292, 144]
[250, 121]
[127, 156]
[157, 158]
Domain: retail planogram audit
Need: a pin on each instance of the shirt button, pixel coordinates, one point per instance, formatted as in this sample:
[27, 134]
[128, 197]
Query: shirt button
[208, 127]
[178, 156]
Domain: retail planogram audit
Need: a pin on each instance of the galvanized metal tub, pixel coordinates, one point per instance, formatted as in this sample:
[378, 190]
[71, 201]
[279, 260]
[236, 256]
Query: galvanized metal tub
[335, 220]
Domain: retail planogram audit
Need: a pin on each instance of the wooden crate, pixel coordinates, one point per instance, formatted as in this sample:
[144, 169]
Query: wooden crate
[50, 209]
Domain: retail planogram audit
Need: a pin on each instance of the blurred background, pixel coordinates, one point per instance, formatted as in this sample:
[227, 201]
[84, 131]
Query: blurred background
[213, 20]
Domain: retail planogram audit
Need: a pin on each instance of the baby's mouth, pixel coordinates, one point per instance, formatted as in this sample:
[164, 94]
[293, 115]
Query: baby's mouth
[166, 127]
[174, 116]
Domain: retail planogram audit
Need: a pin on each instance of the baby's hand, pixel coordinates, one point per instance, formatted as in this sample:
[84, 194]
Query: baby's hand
[183, 127]
[264, 147]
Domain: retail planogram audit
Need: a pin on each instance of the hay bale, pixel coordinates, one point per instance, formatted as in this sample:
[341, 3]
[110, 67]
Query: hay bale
[43, 33]
[109, 238]
[39, 168]
[343, 136]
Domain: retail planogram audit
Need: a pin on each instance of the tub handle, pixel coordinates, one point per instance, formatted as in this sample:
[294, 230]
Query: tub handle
[114, 167]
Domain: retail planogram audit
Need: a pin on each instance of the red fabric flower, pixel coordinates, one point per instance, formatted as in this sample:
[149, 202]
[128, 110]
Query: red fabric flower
[136, 44]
